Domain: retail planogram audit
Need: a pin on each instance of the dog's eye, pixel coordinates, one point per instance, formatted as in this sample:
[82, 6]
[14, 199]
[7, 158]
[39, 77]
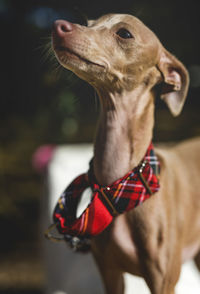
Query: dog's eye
[124, 34]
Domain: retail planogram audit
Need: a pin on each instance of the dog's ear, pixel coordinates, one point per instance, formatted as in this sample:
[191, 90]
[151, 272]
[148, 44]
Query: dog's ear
[175, 82]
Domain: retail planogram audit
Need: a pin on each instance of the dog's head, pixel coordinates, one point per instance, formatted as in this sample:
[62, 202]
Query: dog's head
[118, 52]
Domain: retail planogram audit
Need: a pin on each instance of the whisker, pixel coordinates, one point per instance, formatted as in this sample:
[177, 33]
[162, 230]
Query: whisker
[48, 57]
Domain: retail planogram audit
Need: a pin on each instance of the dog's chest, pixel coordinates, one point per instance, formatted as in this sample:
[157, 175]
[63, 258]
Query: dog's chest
[125, 249]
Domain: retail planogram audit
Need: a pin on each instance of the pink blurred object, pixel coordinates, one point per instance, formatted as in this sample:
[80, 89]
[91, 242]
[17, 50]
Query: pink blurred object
[42, 157]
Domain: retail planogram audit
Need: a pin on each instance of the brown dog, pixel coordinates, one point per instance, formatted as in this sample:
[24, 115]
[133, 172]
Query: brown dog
[126, 64]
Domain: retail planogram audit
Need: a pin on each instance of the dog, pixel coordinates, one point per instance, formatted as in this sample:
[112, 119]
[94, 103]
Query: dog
[129, 67]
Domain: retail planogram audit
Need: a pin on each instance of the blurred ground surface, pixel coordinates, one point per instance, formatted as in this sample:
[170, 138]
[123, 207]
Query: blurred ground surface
[21, 271]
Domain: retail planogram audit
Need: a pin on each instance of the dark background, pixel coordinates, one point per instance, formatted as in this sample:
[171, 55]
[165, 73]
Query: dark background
[40, 103]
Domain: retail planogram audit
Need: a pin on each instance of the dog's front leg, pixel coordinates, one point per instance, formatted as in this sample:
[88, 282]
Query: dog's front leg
[157, 245]
[158, 281]
[112, 277]
[113, 281]
[161, 271]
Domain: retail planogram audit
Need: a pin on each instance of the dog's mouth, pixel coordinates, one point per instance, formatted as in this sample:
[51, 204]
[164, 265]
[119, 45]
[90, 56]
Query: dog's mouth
[70, 52]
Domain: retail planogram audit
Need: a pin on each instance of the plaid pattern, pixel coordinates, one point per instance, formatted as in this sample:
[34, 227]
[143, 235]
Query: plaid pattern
[121, 196]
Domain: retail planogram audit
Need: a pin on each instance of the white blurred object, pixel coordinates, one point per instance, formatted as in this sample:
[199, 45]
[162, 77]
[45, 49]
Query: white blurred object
[85, 199]
[189, 281]
[67, 163]
[78, 274]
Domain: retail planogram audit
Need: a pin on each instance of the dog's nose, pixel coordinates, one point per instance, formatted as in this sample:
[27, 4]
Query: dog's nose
[61, 27]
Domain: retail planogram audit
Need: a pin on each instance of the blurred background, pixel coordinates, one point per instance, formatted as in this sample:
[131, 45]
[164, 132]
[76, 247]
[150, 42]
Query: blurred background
[41, 103]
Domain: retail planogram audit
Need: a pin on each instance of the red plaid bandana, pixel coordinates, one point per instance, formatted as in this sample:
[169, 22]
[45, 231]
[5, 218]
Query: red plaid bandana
[121, 196]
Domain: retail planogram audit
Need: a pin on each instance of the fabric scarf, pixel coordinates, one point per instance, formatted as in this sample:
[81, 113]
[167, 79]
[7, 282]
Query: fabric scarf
[107, 201]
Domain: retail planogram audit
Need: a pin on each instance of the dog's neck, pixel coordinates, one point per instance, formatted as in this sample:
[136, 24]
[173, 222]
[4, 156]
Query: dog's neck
[123, 134]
